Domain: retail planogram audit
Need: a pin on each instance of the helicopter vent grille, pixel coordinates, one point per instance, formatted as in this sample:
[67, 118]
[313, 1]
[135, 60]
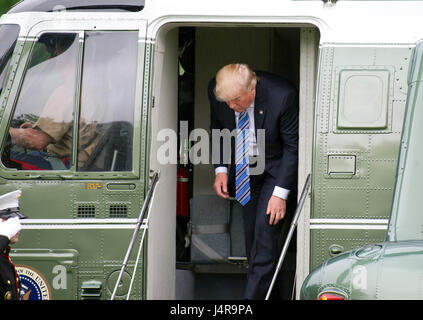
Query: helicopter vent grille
[118, 210]
[86, 211]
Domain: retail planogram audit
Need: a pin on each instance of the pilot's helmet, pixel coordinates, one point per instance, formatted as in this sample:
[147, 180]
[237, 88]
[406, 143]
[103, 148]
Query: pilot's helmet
[9, 205]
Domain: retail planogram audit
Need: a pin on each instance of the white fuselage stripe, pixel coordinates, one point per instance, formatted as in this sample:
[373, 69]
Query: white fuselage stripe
[349, 221]
[80, 223]
[349, 226]
[356, 224]
[79, 226]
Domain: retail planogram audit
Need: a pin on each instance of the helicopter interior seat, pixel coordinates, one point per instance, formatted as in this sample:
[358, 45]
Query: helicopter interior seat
[217, 230]
[114, 150]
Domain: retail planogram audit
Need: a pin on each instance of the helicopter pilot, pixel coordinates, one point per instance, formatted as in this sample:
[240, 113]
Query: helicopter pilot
[50, 137]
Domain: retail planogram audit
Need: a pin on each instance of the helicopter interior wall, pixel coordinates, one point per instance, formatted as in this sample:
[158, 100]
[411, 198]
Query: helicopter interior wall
[182, 96]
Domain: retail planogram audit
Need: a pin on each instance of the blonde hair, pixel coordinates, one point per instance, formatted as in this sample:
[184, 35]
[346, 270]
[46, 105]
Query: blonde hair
[232, 79]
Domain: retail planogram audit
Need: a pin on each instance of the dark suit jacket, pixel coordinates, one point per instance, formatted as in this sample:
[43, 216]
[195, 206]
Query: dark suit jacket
[275, 111]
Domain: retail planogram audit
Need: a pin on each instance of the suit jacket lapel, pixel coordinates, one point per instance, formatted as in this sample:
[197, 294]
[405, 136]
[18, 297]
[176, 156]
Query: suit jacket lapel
[259, 107]
[232, 120]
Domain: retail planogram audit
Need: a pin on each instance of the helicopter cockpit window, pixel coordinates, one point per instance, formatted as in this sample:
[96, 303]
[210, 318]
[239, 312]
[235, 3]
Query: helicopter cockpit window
[107, 101]
[8, 37]
[42, 127]
[42, 124]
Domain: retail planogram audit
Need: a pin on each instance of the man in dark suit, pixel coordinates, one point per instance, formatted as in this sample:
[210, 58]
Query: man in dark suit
[272, 107]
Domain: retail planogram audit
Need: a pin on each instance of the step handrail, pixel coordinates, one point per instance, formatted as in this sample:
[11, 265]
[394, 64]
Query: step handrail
[144, 208]
[290, 233]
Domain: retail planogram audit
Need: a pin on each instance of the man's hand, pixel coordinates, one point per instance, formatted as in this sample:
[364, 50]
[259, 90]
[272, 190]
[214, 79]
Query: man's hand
[221, 185]
[26, 125]
[276, 208]
[28, 137]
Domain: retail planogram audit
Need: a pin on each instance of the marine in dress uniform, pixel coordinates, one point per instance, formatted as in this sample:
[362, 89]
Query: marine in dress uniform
[10, 227]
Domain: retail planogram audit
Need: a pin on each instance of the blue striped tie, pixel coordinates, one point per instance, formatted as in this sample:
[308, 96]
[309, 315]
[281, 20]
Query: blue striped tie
[242, 178]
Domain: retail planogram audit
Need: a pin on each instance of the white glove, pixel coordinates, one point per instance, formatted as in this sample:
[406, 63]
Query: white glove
[10, 227]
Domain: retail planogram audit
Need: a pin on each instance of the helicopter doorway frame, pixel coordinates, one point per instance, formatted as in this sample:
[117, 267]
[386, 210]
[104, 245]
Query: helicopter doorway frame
[161, 53]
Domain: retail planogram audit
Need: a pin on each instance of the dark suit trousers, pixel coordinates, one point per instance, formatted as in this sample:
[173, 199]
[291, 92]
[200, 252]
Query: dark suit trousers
[262, 240]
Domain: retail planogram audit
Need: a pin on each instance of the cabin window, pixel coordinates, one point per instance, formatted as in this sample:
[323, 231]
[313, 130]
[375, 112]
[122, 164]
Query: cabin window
[46, 132]
[107, 101]
[8, 36]
[42, 124]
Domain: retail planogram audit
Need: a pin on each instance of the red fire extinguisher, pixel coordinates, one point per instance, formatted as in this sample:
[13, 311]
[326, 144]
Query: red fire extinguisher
[182, 209]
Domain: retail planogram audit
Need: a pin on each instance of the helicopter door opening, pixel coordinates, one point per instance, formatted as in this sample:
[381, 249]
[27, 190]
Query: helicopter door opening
[209, 250]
